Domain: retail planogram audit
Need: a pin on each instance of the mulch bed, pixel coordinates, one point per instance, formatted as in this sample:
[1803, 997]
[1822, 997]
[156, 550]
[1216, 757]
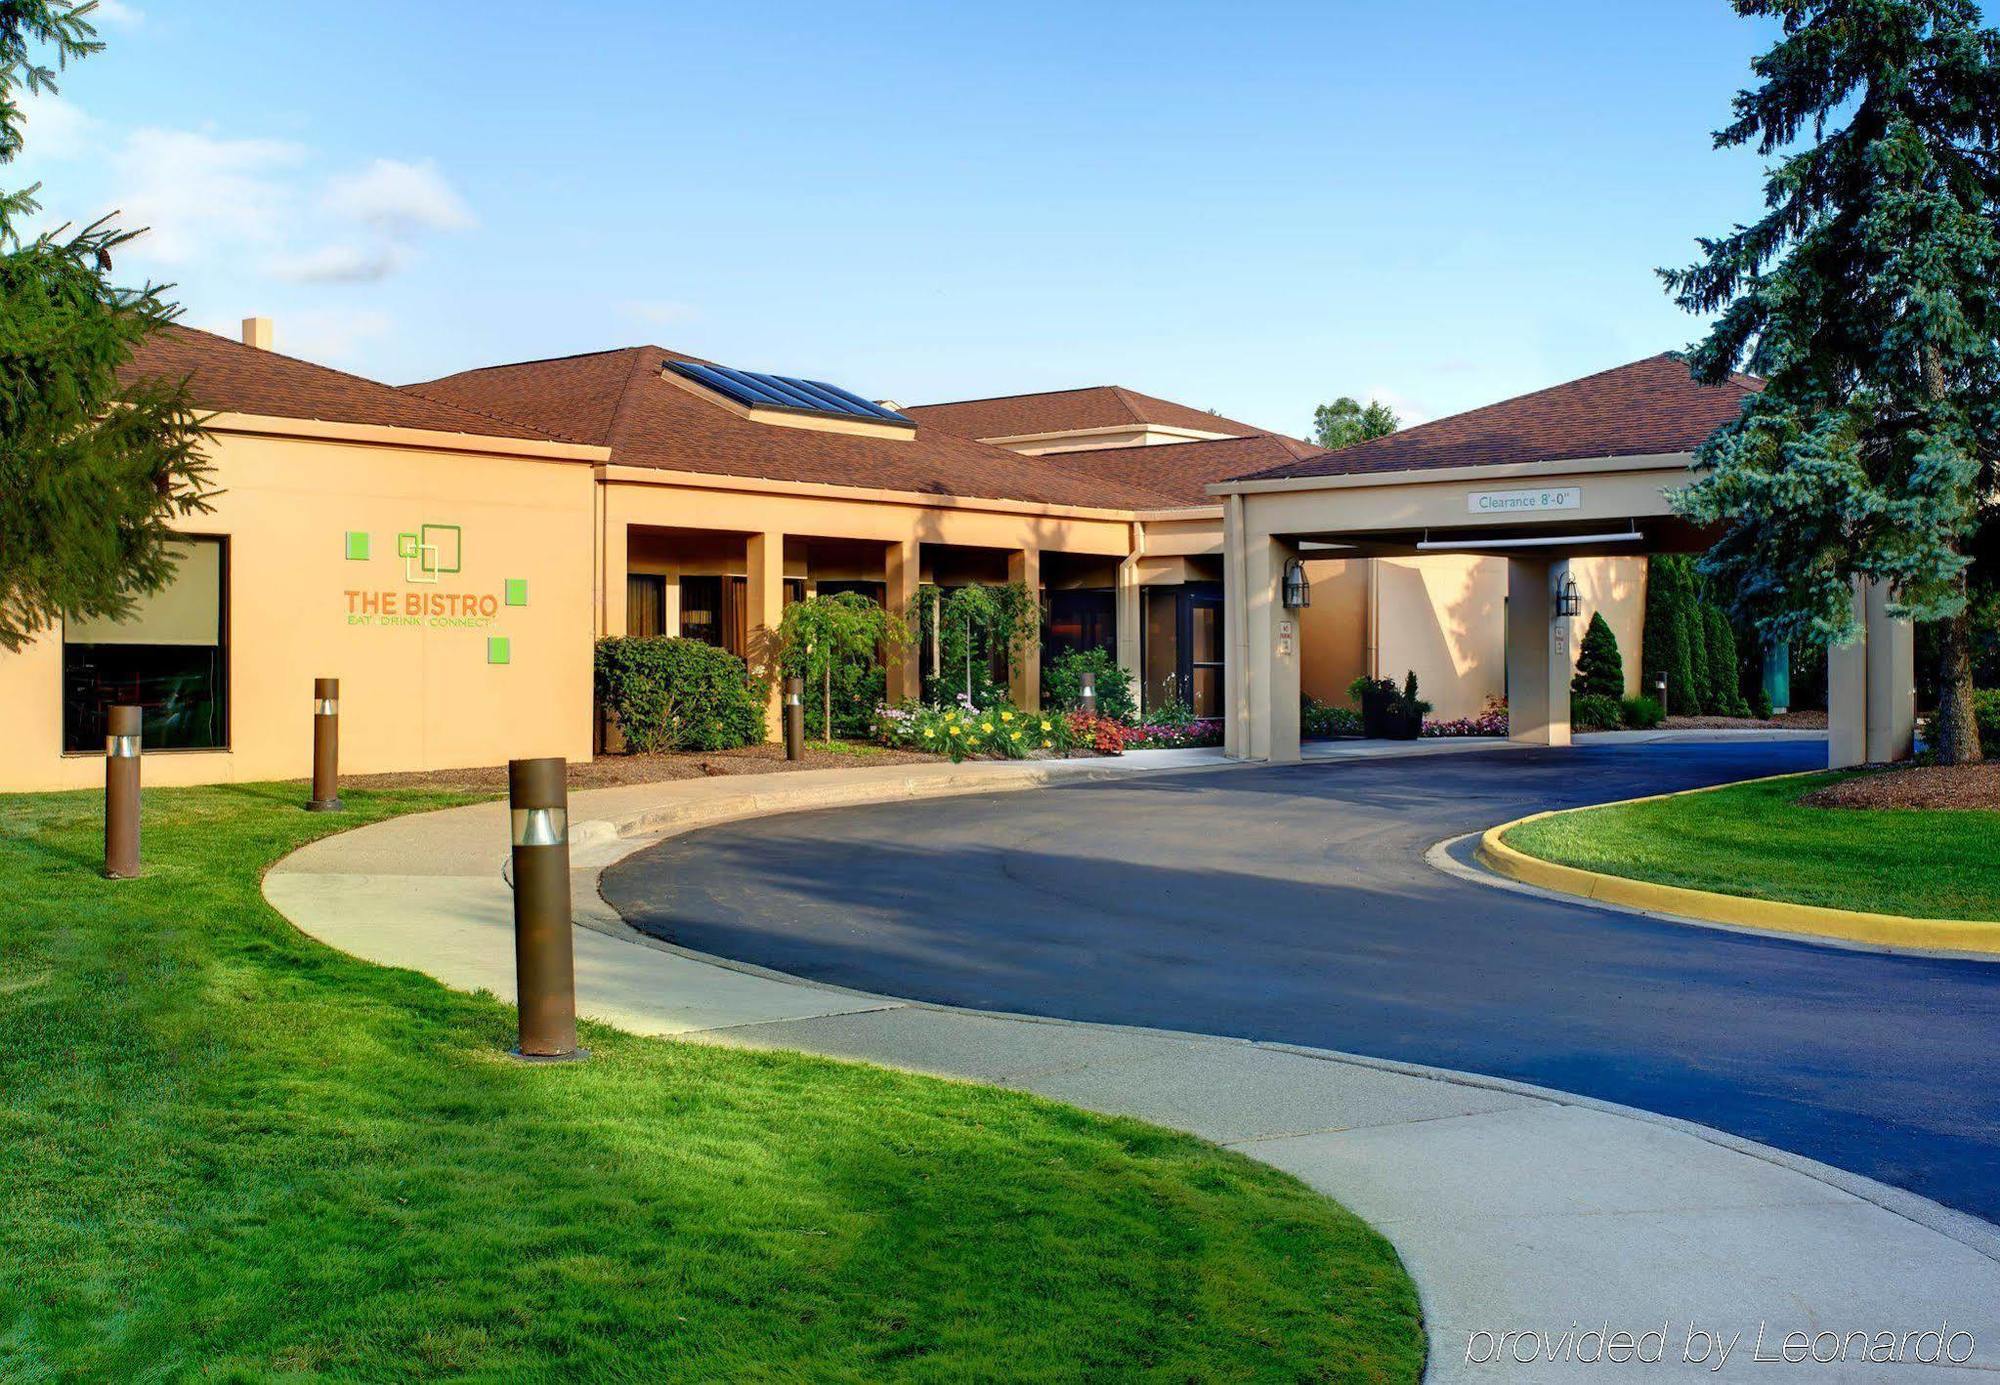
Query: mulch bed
[1790, 721]
[1916, 786]
[609, 771]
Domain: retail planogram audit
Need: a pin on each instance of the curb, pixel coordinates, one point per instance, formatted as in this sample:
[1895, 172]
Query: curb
[1809, 921]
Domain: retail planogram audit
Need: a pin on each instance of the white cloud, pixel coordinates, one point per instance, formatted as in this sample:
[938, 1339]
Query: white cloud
[53, 129]
[118, 13]
[399, 199]
[344, 263]
[202, 195]
[660, 312]
[1408, 413]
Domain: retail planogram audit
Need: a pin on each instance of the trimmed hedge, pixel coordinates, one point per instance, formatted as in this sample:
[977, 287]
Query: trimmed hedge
[1062, 683]
[669, 693]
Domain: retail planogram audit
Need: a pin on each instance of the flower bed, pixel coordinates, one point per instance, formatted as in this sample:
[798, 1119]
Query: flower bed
[1005, 732]
[1490, 722]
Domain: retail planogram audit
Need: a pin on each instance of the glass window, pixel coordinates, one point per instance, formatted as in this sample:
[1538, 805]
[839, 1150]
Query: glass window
[645, 604]
[169, 656]
[701, 609]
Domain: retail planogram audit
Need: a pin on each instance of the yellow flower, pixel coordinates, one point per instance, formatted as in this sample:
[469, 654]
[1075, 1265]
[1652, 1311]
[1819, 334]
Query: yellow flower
[928, 733]
[957, 731]
[1045, 726]
[985, 726]
[1006, 716]
[1046, 744]
[1016, 736]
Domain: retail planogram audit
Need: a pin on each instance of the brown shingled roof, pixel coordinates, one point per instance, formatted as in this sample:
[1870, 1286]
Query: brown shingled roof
[228, 377]
[1649, 407]
[617, 399]
[1064, 411]
[1180, 473]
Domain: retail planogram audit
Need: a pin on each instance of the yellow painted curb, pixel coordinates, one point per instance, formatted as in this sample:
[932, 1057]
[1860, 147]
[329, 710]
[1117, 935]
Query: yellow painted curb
[1740, 911]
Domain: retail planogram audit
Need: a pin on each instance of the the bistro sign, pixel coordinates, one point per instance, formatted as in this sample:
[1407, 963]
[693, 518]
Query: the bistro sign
[1520, 502]
[433, 551]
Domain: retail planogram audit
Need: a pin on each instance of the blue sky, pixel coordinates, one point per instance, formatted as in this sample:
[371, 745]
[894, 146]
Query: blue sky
[1248, 207]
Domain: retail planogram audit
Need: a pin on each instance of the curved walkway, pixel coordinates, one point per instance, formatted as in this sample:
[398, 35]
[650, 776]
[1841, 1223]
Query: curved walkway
[1517, 1210]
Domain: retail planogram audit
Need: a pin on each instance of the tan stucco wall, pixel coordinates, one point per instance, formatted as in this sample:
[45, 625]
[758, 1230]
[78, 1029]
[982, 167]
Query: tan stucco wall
[1445, 617]
[417, 696]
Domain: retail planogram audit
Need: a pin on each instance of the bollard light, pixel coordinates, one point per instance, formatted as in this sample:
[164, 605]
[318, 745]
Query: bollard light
[326, 747]
[1086, 694]
[544, 952]
[795, 718]
[121, 792]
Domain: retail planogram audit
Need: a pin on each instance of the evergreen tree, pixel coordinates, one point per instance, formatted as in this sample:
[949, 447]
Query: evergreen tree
[1665, 637]
[1868, 297]
[90, 473]
[1725, 674]
[1600, 668]
[1694, 630]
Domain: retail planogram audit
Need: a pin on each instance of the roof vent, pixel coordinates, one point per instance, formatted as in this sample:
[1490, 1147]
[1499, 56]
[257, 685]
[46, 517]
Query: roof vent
[257, 332]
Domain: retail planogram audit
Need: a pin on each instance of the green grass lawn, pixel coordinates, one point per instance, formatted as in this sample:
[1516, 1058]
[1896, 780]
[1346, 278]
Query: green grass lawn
[1759, 840]
[229, 1152]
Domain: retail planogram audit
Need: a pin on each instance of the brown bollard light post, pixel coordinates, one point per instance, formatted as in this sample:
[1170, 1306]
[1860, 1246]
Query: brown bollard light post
[795, 718]
[1087, 692]
[326, 747]
[544, 953]
[121, 793]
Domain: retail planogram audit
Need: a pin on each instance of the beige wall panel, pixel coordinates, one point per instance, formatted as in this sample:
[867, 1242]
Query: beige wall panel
[1333, 631]
[413, 696]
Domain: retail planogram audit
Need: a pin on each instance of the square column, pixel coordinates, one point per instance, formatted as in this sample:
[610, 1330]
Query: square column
[1270, 680]
[1538, 653]
[902, 565]
[1892, 680]
[1130, 616]
[1024, 682]
[1847, 694]
[764, 608]
[612, 576]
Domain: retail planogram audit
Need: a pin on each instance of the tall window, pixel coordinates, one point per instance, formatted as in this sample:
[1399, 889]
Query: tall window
[645, 604]
[169, 656]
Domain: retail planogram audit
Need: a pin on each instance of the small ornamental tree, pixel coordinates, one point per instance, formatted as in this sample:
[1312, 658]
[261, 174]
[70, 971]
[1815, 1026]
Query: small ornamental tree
[91, 472]
[824, 640]
[1600, 668]
[975, 627]
[1725, 670]
[1664, 640]
[1868, 298]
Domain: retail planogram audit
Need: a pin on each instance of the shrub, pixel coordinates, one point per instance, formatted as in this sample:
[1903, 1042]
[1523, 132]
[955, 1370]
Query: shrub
[1642, 713]
[1593, 712]
[830, 642]
[668, 693]
[1322, 721]
[1600, 668]
[1725, 674]
[1986, 712]
[1389, 712]
[1665, 644]
[1177, 734]
[1100, 733]
[1062, 684]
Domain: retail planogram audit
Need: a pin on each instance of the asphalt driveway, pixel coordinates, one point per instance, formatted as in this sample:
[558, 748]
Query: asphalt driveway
[1294, 904]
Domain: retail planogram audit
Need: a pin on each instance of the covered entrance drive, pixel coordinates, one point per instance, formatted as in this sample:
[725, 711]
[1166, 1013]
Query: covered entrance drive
[1411, 494]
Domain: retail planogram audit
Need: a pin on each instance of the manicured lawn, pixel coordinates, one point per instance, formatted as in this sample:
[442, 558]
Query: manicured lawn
[1757, 839]
[227, 1151]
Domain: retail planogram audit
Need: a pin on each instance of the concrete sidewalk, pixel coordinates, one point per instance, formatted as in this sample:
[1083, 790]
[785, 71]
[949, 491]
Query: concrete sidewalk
[1517, 1210]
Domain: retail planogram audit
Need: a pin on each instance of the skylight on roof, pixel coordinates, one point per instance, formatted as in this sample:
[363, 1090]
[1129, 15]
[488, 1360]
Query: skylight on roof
[753, 389]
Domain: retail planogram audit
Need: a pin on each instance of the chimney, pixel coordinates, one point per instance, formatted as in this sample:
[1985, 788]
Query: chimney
[257, 332]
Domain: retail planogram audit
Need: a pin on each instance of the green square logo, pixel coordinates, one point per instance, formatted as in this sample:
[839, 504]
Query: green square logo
[517, 591]
[357, 546]
[497, 651]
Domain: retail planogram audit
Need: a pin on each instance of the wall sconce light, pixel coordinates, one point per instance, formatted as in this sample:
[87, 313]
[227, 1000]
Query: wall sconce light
[1569, 602]
[1298, 590]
